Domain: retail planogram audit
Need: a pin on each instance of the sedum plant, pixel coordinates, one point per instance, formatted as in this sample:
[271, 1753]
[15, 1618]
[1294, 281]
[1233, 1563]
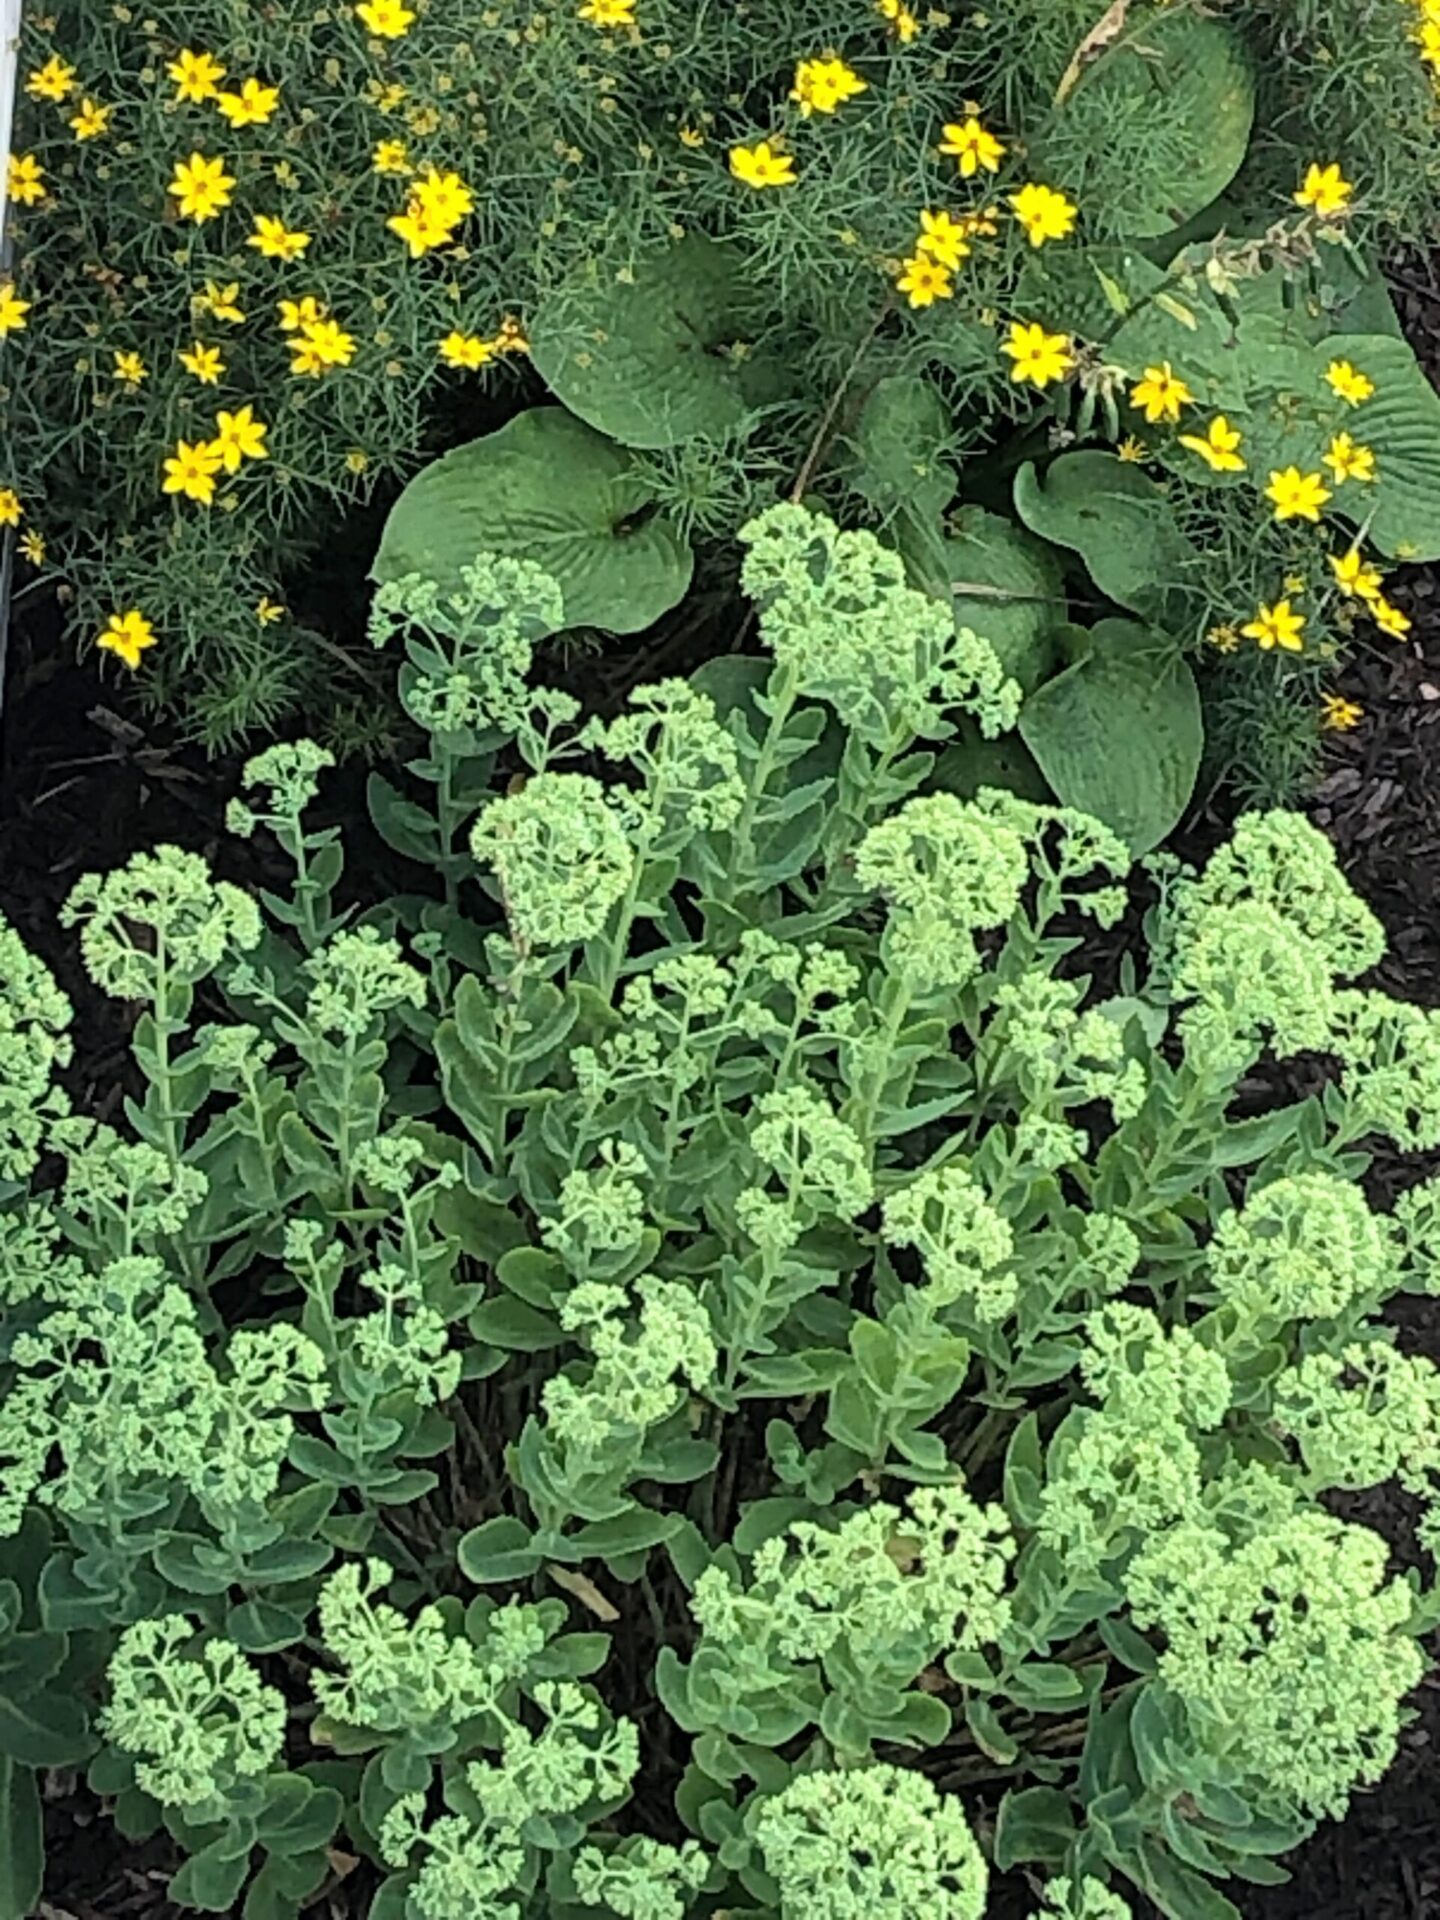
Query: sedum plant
[696, 1361]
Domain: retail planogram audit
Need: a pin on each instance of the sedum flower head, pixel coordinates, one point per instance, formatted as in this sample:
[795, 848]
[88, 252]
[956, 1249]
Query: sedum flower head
[196, 1716]
[1302, 1248]
[689, 762]
[642, 1371]
[159, 917]
[470, 650]
[1287, 1650]
[960, 1238]
[561, 853]
[396, 1675]
[1366, 1414]
[949, 870]
[286, 775]
[356, 978]
[34, 1045]
[836, 612]
[1084, 1899]
[819, 1158]
[117, 1385]
[600, 1209]
[876, 1840]
[1390, 1074]
[641, 1879]
[885, 1592]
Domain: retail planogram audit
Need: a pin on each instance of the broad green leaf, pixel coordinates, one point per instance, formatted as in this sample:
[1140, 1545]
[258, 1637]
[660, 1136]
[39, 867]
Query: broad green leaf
[1119, 734]
[211, 1879]
[22, 1844]
[899, 448]
[1120, 523]
[1087, 291]
[1001, 582]
[497, 1550]
[1401, 421]
[1181, 90]
[547, 488]
[656, 358]
[1034, 1823]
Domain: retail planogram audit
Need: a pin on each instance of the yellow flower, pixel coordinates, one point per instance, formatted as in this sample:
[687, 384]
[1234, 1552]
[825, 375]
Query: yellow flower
[191, 470]
[128, 635]
[924, 281]
[356, 460]
[444, 196]
[201, 187]
[1132, 451]
[1161, 393]
[32, 545]
[10, 508]
[1044, 213]
[420, 231]
[386, 19]
[268, 611]
[129, 368]
[972, 146]
[1356, 577]
[1349, 382]
[295, 314]
[1276, 626]
[220, 301]
[1218, 446]
[942, 238]
[691, 137]
[1325, 189]
[204, 362]
[823, 86]
[466, 350]
[239, 436]
[1038, 356]
[511, 337]
[1338, 715]
[902, 22]
[1225, 638]
[24, 178]
[761, 166]
[54, 81]
[91, 121]
[197, 76]
[12, 309]
[1348, 460]
[390, 157]
[609, 13]
[1389, 618]
[275, 241]
[252, 106]
[321, 344]
[1296, 495]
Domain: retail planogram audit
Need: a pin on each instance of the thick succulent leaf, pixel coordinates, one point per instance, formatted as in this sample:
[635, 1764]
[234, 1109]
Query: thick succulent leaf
[1001, 581]
[550, 489]
[22, 1853]
[1121, 524]
[1119, 734]
[650, 360]
[899, 448]
[1181, 87]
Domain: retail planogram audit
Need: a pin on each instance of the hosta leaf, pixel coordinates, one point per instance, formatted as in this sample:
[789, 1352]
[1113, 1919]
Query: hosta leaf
[1001, 581]
[547, 488]
[1120, 523]
[1088, 291]
[1401, 421]
[1183, 89]
[1119, 734]
[899, 448]
[649, 360]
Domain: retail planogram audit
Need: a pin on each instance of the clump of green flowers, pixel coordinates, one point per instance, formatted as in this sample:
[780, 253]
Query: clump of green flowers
[685, 1364]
